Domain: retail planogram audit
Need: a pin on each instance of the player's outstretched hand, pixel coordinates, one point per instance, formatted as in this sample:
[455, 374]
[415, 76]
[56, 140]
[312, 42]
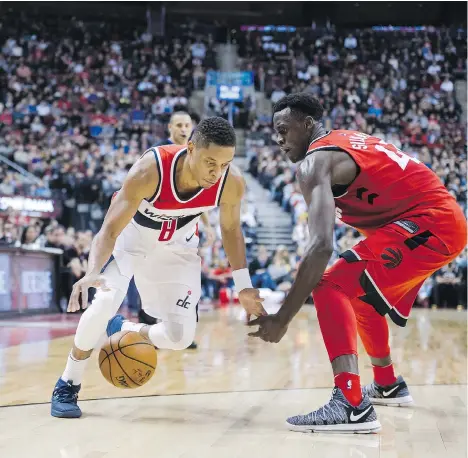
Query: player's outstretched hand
[81, 287]
[250, 299]
[270, 328]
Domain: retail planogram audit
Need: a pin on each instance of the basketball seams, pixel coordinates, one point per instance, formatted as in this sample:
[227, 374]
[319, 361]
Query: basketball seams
[118, 362]
[134, 359]
[131, 345]
[108, 355]
[136, 343]
[123, 370]
[137, 360]
[112, 342]
[110, 371]
[112, 348]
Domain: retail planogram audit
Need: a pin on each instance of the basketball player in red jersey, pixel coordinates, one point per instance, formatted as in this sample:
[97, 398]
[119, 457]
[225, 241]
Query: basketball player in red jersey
[413, 228]
[150, 233]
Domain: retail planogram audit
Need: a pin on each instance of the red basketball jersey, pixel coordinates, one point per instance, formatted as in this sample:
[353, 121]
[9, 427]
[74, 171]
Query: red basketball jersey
[389, 187]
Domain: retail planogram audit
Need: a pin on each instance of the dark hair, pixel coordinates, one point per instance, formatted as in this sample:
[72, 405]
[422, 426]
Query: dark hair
[177, 113]
[195, 117]
[301, 103]
[23, 235]
[214, 130]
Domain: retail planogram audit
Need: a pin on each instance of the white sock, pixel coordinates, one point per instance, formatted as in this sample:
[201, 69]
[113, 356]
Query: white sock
[131, 326]
[74, 370]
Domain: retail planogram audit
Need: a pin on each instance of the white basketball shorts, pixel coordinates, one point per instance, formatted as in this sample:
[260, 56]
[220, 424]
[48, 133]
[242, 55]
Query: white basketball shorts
[168, 276]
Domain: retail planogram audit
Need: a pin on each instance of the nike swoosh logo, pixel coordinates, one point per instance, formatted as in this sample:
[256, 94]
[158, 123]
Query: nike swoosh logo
[190, 238]
[388, 393]
[353, 417]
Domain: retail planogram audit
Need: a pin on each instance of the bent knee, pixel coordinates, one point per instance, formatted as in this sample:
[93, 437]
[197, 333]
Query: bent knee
[179, 335]
[343, 277]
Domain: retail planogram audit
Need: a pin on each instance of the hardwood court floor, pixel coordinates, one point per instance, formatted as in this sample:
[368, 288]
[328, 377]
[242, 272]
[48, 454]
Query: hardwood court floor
[230, 397]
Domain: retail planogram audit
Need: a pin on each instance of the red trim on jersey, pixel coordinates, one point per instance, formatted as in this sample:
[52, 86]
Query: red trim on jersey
[168, 198]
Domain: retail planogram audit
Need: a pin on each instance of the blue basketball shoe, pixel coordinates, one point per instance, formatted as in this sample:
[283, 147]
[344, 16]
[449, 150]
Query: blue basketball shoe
[65, 400]
[115, 325]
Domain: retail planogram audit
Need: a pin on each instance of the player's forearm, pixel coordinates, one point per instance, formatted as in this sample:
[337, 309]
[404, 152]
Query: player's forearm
[310, 272]
[234, 246]
[101, 250]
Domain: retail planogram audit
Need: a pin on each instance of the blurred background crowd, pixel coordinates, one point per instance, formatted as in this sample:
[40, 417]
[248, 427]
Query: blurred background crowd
[81, 100]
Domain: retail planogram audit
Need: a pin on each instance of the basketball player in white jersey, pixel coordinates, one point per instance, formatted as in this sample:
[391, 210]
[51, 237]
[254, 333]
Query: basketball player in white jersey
[150, 232]
[180, 128]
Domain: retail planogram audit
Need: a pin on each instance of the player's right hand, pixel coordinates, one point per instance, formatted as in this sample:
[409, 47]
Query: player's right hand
[250, 299]
[81, 287]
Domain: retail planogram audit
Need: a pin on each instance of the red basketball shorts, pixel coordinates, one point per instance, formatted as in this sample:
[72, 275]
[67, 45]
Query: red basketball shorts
[387, 269]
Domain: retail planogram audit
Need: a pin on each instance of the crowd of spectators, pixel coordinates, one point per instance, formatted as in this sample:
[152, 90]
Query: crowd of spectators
[79, 102]
[396, 86]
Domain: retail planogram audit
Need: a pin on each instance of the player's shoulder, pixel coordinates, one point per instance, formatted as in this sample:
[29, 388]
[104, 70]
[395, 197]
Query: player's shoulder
[315, 161]
[235, 180]
[334, 140]
[146, 168]
[324, 166]
[234, 185]
[143, 176]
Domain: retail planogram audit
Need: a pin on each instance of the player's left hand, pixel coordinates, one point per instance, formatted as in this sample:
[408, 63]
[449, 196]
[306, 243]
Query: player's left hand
[250, 299]
[271, 328]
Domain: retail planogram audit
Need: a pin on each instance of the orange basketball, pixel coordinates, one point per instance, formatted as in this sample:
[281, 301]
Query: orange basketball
[127, 360]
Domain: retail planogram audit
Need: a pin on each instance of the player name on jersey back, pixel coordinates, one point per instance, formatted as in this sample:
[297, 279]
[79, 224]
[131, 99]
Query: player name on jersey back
[390, 184]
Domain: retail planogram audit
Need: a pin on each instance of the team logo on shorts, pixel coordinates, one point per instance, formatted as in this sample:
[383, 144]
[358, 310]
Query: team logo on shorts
[184, 303]
[394, 257]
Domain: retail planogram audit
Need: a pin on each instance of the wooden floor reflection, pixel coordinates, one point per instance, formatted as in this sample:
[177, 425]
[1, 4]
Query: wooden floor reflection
[237, 393]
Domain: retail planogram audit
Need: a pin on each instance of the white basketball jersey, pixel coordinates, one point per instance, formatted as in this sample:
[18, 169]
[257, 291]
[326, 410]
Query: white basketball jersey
[167, 213]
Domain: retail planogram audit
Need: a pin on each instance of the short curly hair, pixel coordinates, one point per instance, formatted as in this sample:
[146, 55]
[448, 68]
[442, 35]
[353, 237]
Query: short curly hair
[301, 103]
[214, 130]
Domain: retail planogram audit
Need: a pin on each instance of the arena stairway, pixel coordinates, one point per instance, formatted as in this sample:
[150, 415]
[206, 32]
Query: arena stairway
[275, 225]
[460, 95]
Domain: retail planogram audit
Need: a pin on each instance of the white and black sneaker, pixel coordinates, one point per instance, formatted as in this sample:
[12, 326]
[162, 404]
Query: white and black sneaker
[396, 395]
[338, 416]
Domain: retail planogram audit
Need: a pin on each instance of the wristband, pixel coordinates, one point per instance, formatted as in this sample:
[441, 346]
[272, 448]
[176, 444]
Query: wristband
[241, 279]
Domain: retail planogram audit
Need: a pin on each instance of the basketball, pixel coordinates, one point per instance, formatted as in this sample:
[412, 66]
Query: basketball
[127, 360]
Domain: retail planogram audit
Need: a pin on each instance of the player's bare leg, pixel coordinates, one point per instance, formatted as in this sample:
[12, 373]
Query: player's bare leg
[80, 355]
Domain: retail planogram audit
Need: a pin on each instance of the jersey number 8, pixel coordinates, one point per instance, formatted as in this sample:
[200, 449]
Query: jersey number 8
[167, 230]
